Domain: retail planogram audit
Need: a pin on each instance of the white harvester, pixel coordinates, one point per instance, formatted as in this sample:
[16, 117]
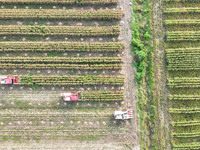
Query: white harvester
[123, 115]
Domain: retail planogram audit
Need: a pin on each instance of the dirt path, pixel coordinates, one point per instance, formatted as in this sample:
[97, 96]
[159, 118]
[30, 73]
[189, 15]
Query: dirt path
[128, 68]
[160, 75]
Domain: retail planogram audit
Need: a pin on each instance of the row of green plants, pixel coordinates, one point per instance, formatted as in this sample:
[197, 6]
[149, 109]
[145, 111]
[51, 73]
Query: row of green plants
[60, 47]
[185, 123]
[184, 82]
[69, 2]
[69, 60]
[62, 66]
[59, 30]
[184, 50]
[182, 10]
[186, 135]
[185, 110]
[183, 36]
[71, 80]
[104, 14]
[181, 0]
[183, 59]
[187, 146]
[102, 96]
[182, 22]
[184, 97]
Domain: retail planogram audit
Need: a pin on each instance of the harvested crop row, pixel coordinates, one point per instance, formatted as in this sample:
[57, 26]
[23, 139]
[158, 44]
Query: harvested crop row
[71, 2]
[103, 96]
[186, 146]
[60, 47]
[59, 30]
[62, 66]
[69, 60]
[184, 97]
[184, 110]
[182, 22]
[105, 14]
[72, 80]
[53, 133]
[183, 36]
[182, 10]
[53, 114]
[184, 82]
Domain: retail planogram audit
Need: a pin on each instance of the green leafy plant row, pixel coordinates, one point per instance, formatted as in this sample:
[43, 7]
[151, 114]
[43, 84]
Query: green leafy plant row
[62, 66]
[71, 2]
[182, 22]
[105, 14]
[184, 97]
[186, 123]
[71, 80]
[181, 0]
[70, 60]
[185, 59]
[102, 96]
[184, 82]
[186, 135]
[59, 30]
[182, 10]
[183, 35]
[187, 146]
[61, 46]
[184, 110]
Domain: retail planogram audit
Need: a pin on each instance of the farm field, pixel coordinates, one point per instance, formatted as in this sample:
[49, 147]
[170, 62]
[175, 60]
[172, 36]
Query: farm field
[183, 62]
[67, 45]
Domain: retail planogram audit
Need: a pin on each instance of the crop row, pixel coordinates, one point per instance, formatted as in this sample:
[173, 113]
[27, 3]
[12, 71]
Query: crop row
[186, 135]
[186, 123]
[60, 47]
[184, 97]
[103, 96]
[91, 63]
[184, 110]
[184, 82]
[184, 51]
[69, 60]
[182, 22]
[105, 14]
[59, 30]
[183, 61]
[186, 146]
[71, 2]
[61, 66]
[71, 80]
[182, 10]
[183, 36]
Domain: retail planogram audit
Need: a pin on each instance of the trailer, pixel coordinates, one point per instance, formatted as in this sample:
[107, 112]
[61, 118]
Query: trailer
[8, 79]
